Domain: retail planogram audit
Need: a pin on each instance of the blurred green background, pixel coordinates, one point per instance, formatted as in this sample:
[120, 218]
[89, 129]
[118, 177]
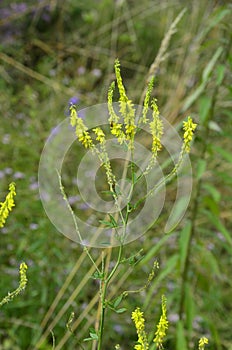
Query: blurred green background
[52, 51]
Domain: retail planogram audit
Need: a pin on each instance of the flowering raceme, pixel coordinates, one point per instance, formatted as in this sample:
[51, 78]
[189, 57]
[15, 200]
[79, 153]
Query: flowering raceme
[202, 342]
[189, 128]
[7, 205]
[162, 325]
[81, 130]
[139, 321]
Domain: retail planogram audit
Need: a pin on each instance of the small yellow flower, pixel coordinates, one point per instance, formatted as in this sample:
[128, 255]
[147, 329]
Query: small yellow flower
[156, 127]
[202, 342]
[147, 100]
[85, 139]
[23, 277]
[114, 118]
[188, 128]
[115, 126]
[126, 106]
[162, 325]
[73, 115]
[100, 135]
[116, 130]
[122, 91]
[7, 205]
[81, 129]
[128, 113]
[139, 321]
[22, 285]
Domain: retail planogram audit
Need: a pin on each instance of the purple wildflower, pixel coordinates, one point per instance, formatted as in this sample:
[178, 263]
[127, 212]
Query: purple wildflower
[73, 100]
[96, 72]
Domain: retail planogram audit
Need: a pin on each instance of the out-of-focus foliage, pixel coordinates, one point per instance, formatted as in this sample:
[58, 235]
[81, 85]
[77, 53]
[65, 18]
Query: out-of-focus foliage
[52, 51]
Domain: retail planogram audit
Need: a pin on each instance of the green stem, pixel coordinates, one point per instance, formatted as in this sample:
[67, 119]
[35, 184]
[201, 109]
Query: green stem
[103, 291]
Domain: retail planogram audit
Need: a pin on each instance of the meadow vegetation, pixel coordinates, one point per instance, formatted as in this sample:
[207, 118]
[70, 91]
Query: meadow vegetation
[54, 54]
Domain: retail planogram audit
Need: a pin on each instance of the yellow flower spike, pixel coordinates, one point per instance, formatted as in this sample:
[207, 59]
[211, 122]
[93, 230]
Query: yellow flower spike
[128, 114]
[144, 119]
[202, 342]
[7, 205]
[126, 106]
[162, 325]
[188, 127]
[22, 285]
[81, 129]
[116, 130]
[85, 139]
[113, 116]
[139, 321]
[115, 126]
[156, 127]
[23, 277]
[73, 115]
[122, 91]
[100, 135]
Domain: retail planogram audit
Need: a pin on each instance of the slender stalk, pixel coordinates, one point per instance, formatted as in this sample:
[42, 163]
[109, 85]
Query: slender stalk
[103, 291]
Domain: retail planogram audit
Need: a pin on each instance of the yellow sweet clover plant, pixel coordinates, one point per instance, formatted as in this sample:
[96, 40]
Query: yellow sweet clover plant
[161, 329]
[124, 124]
[162, 326]
[5, 209]
[22, 285]
[7, 205]
[202, 342]
[189, 128]
[139, 321]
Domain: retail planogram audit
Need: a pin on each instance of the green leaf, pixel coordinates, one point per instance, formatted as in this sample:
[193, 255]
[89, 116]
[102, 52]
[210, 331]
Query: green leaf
[225, 154]
[184, 241]
[120, 311]
[212, 191]
[209, 68]
[118, 300]
[108, 193]
[223, 230]
[201, 166]
[118, 190]
[220, 74]
[193, 97]
[98, 275]
[177, 213]
[218, 16]
[92, 335]
[210, 262]
[205, 76]
[154, 250]
[181, 343]
[204, 108]
[189, 307]
[212, 205]
[106, 223]
[134, 259]
[113, 222]
[214, 126]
